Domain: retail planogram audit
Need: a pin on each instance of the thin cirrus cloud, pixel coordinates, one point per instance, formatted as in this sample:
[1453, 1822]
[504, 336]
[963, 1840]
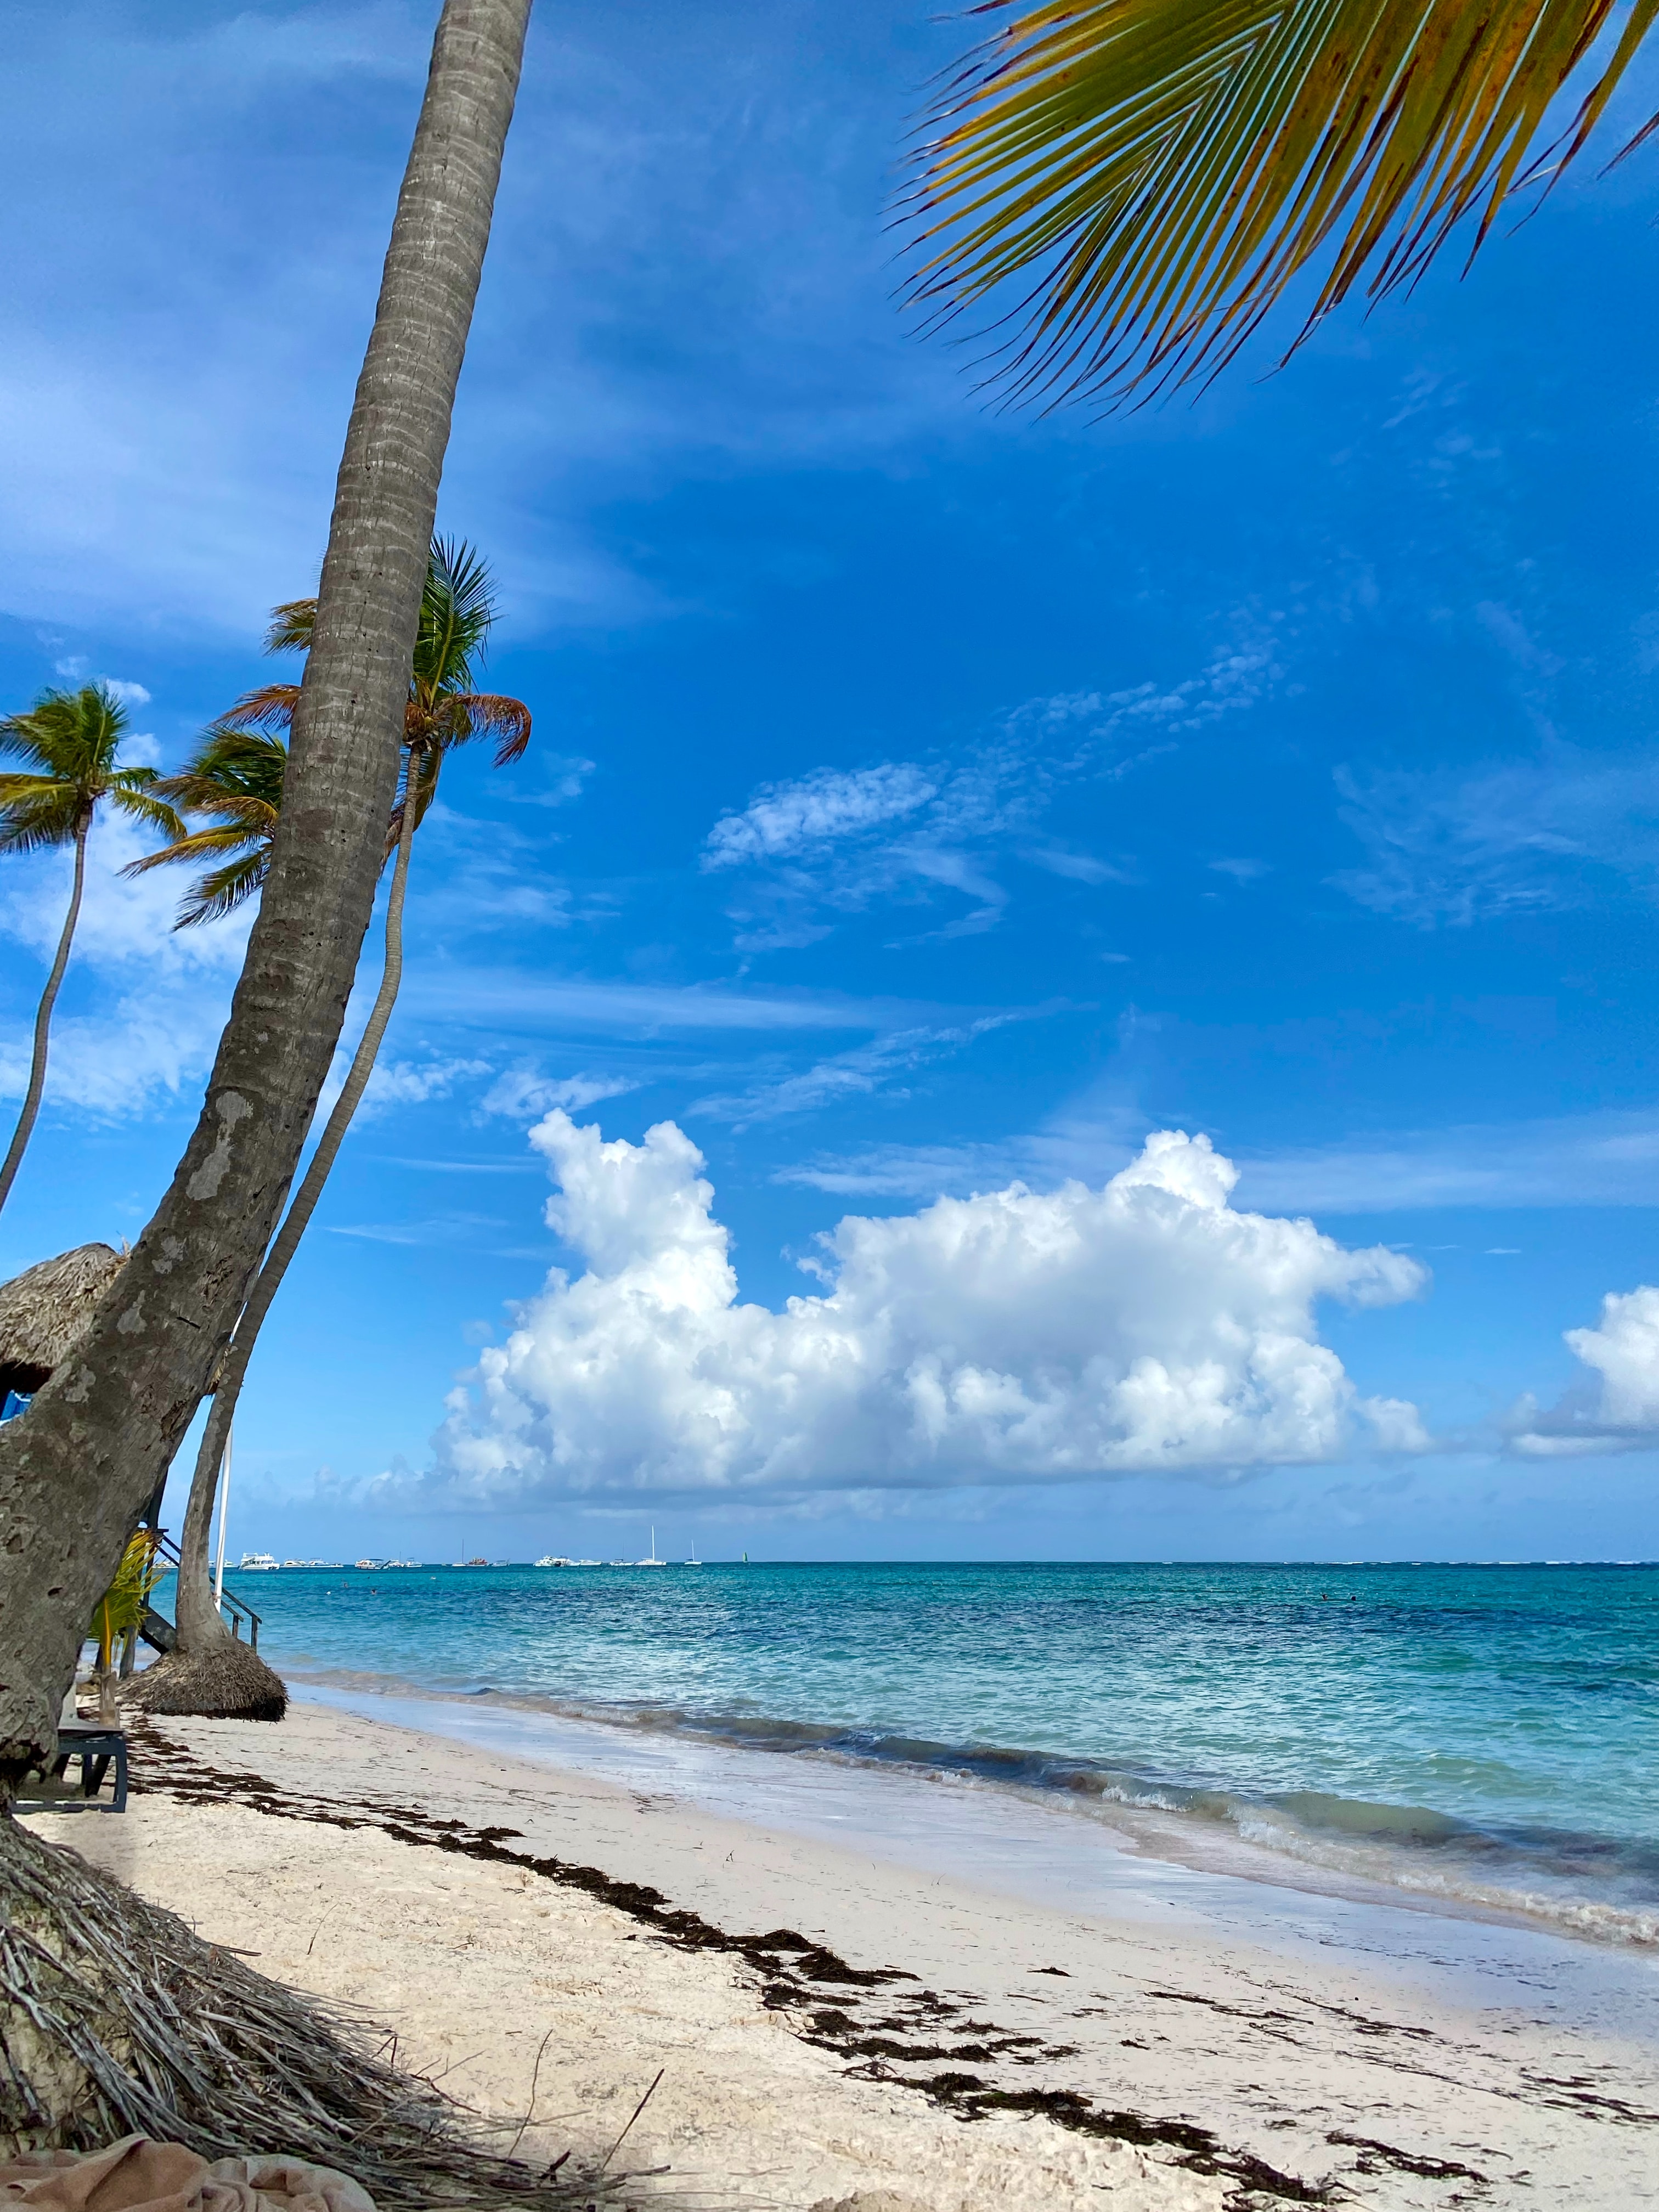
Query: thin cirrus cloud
[913, 833]
[1455, 847]
[877, 1067]
[1143, 1327]
[709, 242]
[1609, 1158]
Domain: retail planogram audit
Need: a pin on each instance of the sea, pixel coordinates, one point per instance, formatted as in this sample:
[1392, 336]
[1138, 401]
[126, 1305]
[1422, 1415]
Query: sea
[1474, 1738]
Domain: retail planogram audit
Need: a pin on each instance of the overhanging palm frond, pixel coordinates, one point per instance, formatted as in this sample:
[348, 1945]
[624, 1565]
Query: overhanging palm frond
[1157, 171]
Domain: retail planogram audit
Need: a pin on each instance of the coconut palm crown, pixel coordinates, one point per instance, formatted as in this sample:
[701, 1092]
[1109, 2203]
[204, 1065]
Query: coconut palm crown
[236, 775]
[445, 708]
[1154, 173]
[69, 745]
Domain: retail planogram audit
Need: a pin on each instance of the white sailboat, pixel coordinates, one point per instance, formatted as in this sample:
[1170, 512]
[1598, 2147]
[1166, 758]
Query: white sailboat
[653, 1561]
[693, 1561]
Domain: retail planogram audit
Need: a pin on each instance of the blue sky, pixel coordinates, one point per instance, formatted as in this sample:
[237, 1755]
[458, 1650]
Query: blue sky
[923, 799]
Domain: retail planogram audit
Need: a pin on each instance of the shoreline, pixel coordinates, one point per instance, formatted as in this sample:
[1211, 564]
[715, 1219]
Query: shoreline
[725, 1773]
[1230, 2056]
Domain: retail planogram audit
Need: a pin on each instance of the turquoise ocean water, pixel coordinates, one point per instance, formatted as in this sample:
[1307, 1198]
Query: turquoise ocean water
[1486, 1735]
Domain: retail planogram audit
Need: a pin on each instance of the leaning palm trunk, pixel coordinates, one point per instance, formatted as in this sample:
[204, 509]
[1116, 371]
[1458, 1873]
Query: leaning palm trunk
[208, 1671]
[77, 1469]
[25, 1128]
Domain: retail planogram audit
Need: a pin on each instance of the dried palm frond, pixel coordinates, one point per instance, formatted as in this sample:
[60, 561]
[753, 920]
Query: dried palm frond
[115, 2019]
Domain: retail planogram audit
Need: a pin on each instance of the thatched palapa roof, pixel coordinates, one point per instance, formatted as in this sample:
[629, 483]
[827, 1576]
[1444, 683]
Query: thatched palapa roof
[44, 1312]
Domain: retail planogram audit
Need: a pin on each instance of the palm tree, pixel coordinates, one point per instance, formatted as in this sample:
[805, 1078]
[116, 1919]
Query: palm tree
[209, 1671]
[76, 1471]
[1156, 172]
[236, 778]
[71, 742]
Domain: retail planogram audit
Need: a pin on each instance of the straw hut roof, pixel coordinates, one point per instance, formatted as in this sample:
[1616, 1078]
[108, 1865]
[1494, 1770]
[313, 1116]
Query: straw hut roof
[44, 1312]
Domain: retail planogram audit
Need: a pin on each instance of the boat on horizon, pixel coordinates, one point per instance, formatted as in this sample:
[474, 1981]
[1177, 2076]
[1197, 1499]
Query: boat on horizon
[257, 1563]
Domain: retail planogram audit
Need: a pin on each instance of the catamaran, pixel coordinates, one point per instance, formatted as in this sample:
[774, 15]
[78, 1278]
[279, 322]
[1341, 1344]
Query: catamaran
[653, 1561]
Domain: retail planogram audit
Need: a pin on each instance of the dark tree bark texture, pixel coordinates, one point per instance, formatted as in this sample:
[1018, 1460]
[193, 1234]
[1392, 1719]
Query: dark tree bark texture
[77, 1470]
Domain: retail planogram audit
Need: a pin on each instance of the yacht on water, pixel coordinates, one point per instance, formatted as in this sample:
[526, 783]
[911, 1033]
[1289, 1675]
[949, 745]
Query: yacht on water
[257, 1563]
[653, 1561]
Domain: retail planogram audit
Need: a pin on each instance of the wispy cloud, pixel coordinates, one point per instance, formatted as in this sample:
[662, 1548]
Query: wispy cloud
[1608, 1158]
[517, 1000]
[523, 1094]
[902, 833]
[439, 1229]
[862, 1072]
[1453, 846]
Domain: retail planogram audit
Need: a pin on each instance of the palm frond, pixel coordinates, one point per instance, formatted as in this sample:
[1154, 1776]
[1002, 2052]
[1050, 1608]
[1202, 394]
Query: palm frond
[292, 626]
[241, 771]
[37, 813]
[458, 607]
[268, 706]
[488, 715]
[221, 890]
[209, 843]
[141, 804]
[236, 777]
[121, 1609]
[74, 735]
[1156, 172]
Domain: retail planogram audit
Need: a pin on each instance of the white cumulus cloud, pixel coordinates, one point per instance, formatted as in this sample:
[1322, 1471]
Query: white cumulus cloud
[1007, 1337]
[1619, 1410]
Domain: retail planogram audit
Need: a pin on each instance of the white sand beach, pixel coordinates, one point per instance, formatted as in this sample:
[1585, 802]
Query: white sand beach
[836, 2029]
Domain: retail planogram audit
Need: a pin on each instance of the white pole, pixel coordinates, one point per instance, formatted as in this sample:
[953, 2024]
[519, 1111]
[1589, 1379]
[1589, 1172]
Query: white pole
[224, 1509]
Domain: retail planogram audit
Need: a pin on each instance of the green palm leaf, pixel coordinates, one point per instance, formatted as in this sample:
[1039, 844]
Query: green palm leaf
[236, 777]
[1155, 172]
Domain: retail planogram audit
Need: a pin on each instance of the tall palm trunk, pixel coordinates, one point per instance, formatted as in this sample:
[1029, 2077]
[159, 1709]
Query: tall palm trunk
[198, 1621]
[75, 1471]
[20, 1134]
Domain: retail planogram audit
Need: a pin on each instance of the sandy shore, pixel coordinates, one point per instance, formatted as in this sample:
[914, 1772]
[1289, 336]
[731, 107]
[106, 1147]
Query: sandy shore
[836, 2030]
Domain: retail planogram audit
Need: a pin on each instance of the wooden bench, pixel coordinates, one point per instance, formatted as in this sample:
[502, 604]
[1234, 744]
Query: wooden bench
[98, 1748]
